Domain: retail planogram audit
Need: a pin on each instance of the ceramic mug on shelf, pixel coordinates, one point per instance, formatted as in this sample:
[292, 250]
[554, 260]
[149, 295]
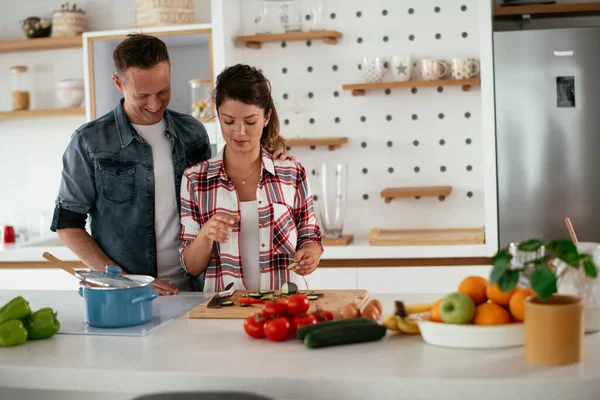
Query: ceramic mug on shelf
[464, 68]
[433, 70]
[402, 67]
[373, 69]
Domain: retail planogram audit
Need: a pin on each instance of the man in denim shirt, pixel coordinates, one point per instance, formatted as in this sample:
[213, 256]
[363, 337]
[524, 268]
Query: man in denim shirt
[124, 169]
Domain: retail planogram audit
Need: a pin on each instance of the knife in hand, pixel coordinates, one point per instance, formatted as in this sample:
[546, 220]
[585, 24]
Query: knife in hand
[221, 297]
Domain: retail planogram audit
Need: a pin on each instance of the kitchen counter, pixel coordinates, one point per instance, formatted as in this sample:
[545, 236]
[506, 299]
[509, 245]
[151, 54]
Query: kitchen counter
[357, 254]
[208, 355]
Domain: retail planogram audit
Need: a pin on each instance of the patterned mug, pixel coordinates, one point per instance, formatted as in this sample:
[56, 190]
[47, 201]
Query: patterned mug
[373, 69]
[465, 68]
[433, 70]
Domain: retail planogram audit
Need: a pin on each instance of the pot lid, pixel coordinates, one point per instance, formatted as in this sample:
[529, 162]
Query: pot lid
[111, 277]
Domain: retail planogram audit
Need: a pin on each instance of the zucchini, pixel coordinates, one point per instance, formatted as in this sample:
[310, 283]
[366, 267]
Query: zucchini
[312, 297]
[341, 323]
[317, 294]
[293, 265]
[289, 288]
[255, 295]
[227, 303]
[266, 291]
[269, 296]
[340, 335]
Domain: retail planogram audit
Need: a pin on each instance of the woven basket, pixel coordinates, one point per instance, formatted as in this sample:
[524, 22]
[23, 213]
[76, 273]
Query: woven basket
[164, 12]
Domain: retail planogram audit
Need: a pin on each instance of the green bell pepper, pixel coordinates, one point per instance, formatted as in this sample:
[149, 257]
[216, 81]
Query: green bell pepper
[42, 324]
[17, 308]
[12, 333]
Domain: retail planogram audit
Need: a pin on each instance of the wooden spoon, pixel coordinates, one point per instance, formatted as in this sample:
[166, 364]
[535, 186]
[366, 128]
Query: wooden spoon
[67, 268]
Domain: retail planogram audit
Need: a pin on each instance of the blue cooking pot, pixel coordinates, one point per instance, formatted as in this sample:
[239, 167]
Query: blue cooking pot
[116, 301]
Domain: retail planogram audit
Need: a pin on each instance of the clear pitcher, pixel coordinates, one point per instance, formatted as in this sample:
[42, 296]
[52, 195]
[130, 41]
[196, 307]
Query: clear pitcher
[334, 194]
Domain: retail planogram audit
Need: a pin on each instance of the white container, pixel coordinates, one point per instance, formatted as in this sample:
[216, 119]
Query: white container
[68, 21]
[70, 92]
[164, 12]
[472, 336]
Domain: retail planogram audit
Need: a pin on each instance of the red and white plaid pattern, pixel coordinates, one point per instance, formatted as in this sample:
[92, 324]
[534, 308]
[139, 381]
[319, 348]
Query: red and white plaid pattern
[286, 219]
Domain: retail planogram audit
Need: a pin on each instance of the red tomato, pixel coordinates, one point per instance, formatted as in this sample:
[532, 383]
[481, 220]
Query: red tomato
[277, 329]
[297, 304]
[302, 320]
[273, 309]
[322, 315]
[249, 301]
[254, 326]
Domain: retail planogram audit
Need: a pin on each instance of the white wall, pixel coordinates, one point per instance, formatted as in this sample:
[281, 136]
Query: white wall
[31, 150]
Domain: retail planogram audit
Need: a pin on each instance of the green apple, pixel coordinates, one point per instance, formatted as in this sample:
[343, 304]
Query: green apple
[457, 308]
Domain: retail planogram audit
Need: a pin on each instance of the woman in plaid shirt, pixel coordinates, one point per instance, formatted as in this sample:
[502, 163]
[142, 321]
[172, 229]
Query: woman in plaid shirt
[246, 217]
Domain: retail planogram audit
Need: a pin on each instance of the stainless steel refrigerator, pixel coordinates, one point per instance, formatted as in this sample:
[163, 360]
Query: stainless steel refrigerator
[548, 133]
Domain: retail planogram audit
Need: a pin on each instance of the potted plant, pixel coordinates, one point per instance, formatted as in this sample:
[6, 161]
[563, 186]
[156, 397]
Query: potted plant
[554, 325]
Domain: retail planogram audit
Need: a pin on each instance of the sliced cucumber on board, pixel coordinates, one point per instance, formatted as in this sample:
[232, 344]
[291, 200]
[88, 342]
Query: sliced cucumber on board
[289, 288]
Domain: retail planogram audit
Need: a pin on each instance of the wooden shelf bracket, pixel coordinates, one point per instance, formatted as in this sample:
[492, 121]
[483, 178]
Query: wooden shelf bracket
[256, 41]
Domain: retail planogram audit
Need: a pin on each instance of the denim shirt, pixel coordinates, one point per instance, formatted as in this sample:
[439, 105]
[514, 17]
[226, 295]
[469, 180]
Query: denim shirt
[108, 174]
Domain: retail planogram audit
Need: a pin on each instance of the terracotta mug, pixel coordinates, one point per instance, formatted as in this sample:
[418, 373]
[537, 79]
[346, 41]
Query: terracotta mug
[554, 330]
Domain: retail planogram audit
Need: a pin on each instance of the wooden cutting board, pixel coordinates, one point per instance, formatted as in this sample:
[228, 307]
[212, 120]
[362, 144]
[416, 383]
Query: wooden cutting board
[333, 300]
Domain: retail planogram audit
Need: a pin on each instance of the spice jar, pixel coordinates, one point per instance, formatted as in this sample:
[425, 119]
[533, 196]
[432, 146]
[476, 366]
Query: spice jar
[20, 94]
[201, 98]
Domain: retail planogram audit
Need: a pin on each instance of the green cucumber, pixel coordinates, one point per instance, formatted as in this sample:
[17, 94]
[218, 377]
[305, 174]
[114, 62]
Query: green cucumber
[340, 335]
[342, 323]
[266, 291]
[289, 288]
[312, 297]
[269, 296]
[227, 303]
[255, 295]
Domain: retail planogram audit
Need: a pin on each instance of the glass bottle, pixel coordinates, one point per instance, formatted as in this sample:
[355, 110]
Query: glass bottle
[20, 93]
[201, 98]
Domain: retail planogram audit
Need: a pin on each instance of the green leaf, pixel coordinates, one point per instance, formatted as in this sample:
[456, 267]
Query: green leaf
[500, 261]
[590, 268]
[543, 282]
[530, 245]
[509, 280]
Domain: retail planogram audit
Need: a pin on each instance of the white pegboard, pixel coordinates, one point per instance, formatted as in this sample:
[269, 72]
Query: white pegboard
[447, 151]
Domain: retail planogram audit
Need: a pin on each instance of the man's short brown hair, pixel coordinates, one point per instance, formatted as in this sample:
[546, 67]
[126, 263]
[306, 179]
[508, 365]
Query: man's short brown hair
[140, 51]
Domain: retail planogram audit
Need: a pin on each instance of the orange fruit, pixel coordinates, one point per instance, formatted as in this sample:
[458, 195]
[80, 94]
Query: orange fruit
[491, 314]
[435, 312]
[475, 287]
[517, 303]
[496, 295]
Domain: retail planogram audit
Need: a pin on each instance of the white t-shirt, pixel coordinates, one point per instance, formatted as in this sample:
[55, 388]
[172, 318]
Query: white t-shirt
[166, 218]
[250, 244]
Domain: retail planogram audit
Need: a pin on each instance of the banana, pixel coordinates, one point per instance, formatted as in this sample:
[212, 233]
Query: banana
[389, 321]
[407, 326]
[418, 308]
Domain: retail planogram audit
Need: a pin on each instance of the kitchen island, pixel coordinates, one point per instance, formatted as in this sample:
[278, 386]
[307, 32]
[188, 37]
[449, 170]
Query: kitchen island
[209, 354]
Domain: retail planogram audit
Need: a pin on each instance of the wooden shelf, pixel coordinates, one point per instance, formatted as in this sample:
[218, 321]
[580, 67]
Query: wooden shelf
[548, 10]
[256, 41]
[332, 143]
[426, 237]
[358, 89]
[51, 112]
[394, 193]
[16, 46]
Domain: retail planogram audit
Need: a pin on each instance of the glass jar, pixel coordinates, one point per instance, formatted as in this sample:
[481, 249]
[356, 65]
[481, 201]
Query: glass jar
[201, 98]
[291, 15]
[20, 92]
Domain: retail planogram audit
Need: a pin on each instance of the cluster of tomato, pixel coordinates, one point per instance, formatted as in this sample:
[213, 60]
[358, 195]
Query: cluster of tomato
[283, 317]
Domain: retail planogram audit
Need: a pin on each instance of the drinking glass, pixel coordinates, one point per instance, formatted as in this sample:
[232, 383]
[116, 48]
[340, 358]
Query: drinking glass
[334, 193]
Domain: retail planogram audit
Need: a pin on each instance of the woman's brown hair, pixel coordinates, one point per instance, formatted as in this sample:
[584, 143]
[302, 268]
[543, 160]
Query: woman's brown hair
[247, 84]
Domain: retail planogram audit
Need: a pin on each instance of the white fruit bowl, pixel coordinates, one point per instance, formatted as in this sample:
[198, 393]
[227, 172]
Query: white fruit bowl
[472, 336]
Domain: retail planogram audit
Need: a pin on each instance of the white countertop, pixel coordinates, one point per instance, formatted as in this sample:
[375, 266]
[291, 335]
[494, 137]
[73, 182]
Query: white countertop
[207, 355]
[32, 251]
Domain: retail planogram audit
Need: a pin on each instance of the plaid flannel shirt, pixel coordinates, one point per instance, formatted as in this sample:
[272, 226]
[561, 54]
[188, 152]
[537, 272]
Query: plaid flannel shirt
[286, 219]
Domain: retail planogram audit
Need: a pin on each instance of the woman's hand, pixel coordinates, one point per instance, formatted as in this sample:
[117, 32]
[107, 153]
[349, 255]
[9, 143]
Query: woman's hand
[218, 228]
[308, 259]
[283, 155]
